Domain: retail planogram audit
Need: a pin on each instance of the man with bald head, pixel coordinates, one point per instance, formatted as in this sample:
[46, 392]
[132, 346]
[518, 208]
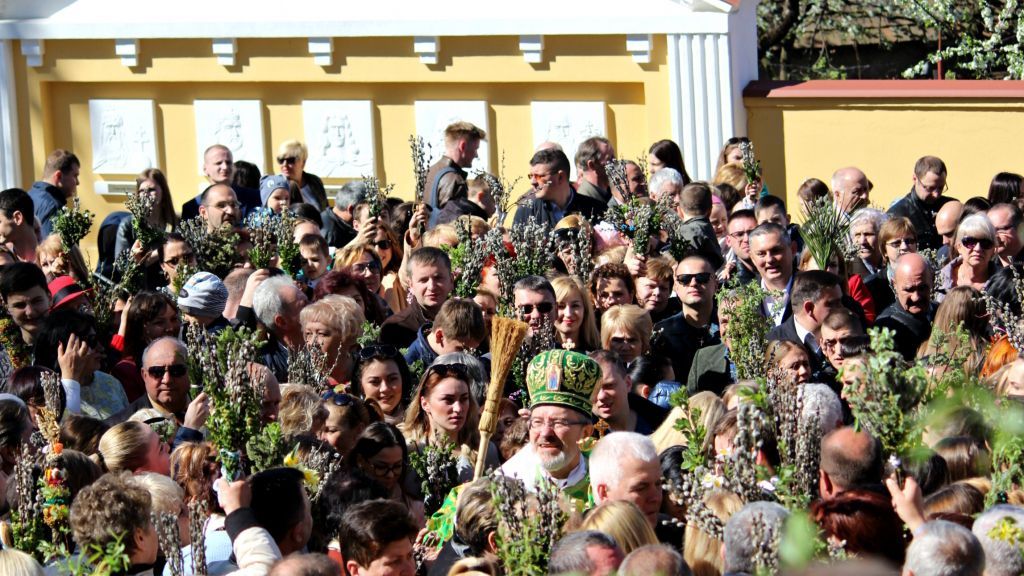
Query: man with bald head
[1006, 219]
[219, 205]
[910, 316]
[850, 189]
[946, 221]
[849, 459]
[219, 168]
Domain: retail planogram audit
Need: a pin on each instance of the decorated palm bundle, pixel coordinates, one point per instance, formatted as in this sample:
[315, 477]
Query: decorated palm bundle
[825, 231]
[198, 514]
[376, 196]
[507, 337]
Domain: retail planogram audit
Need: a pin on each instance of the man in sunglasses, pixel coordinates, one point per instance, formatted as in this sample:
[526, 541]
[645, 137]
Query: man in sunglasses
[924, 200]
[553, 196]
[219, 168]
[912, 313]
[680, 336]
[165, 374]
[560, 384]
[535, 302]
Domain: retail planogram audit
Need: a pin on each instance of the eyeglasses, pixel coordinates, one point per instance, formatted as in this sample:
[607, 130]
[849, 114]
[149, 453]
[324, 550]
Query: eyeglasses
[175, 260]
[175, 370]
[897, 244]
[970, 242]
[381, 244]
[739, 235]
[337, 398]
[449, 370]
[286, 159]
[387, 469]
[702, 278]
[557, 425]
[543, 308]
[361, 268]
[375, 351]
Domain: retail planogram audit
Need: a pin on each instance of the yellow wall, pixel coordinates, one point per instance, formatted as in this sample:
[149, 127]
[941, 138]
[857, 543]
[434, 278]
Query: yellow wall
[53, 100]
[800, 138]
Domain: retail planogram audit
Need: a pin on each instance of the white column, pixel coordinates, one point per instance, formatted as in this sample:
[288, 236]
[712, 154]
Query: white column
[10, 156]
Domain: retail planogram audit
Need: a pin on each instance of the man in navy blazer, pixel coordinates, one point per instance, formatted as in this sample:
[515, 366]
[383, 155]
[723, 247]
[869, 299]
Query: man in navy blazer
[815, 294]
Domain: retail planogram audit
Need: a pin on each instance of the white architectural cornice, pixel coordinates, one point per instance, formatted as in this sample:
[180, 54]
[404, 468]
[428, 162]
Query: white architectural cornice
[532, 47]
[33, 51]
[426, 47]
[322, 50]
[225, 49]
[128, 50]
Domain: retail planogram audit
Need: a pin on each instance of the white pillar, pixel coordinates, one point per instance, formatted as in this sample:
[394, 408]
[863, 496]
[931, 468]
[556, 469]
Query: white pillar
[707, 74]
[10, 156]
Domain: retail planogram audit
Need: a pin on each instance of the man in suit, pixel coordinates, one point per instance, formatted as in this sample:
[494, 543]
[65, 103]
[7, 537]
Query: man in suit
[815, 294]
[772, 253]
[910, 316]
[680, 336]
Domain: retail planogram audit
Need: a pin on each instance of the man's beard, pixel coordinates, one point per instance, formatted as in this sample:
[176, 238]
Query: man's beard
[556, 462]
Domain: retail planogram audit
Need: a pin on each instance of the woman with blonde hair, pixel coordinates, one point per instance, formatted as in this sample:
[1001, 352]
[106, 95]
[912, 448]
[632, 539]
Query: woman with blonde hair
[362, 262]
[734, 175]
[790, 358]
[702, 551]
[55, 261]
[626, 330]
[291, 158]
[707, 406]
[301, 413]
[443, 411]
[195, 468]
[334, 323]
[975, 243]
[964, 307]
[133, 447]
[624, 522]
[575, 320]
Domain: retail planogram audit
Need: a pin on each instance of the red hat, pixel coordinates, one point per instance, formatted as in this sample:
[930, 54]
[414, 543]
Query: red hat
[64, 289]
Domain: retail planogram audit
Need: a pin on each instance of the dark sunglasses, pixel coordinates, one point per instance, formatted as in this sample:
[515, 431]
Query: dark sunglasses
[374, 351]
[543, 308]
[338, 398]
[970, 242]
[381, 244]
[175, 370]
[286, 159]
[702, 278]
[447, 370]
[566, 234]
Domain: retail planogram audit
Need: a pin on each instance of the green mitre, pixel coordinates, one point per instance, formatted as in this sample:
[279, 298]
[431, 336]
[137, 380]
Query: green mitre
[563, 378]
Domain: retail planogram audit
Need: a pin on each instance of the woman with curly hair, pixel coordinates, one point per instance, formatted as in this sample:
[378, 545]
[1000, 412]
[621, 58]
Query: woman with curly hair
[333, 323]
[116, 507]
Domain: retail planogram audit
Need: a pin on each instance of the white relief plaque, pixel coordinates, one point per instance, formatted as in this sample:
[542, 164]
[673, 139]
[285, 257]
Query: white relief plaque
[237, 124]
[123, 136]
[339, 136]
[568, 124]
[433, 116]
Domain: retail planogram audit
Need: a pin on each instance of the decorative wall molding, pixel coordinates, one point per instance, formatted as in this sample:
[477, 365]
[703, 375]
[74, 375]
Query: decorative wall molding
[322, 50]
[33, 51]
[225, 49]
[532, 47]
[427, 48]
[128, 50]
[639, 45]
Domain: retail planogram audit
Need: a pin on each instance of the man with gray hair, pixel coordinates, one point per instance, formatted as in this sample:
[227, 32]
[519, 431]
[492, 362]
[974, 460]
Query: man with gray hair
[1002, 557]
[667, 181]
[625, 466]
[337, 228]
[585, 553]
[940, 548]
[739, 539]
[277, 303]
[654, 559]
[591, 156]
[821, 402]
[534, 300]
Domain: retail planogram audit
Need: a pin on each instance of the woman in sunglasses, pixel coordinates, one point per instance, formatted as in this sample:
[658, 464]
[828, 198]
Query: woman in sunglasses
[362, 261]
[381, 453]
[443, 411]
[976, 245]
[291, 158]
[333, 323]
[896, 237]
[347, 417]
[381, 375]
[575, 320]
[387, 247]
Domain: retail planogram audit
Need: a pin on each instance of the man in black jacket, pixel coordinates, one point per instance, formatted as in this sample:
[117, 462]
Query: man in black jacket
[337, 228]
[924, 200]
[680, 336]
[911, 315]
[553, 197]
[815, 294]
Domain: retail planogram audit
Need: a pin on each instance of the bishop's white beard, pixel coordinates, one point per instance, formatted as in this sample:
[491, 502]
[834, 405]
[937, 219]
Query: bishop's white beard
[556, 462]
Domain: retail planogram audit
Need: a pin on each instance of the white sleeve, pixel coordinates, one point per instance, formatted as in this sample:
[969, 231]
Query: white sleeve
[73, 391]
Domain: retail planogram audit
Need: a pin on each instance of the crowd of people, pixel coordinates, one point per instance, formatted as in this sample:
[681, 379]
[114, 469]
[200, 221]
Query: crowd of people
[638, 363]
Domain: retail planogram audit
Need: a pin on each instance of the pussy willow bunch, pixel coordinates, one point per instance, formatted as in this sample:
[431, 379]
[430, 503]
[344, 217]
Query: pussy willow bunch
[141, 207]
[692, 428]
[182, 272]
[235, 399]
[438, 470]
[376, 197]
[638, 219]
[692, 492]
[29, 530]
[502, 190]
[216, 252]
[741, 470]
[617, 177]
[198, 513]
[96, 560]
[289, 255]
[679, 244]
[18, 352]
[326, 463]
[468, 258]
[799, 440]
[766, 535]
[267, 449]
[169, 537]
[533, 253]
[308, 365]
[824, 230]
[578, 245]
[72, 223]
[528, 524]
[370, 334]
[420, 150]
[541, 340]
[884, 394]
[1005, 318]
[272, 235]
[748, 328]
[130, 274]
[751, 165]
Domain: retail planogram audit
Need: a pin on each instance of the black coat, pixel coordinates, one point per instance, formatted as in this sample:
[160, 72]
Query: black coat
[911, 330]
[678, 341]
[922, 217]
[543, 211]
